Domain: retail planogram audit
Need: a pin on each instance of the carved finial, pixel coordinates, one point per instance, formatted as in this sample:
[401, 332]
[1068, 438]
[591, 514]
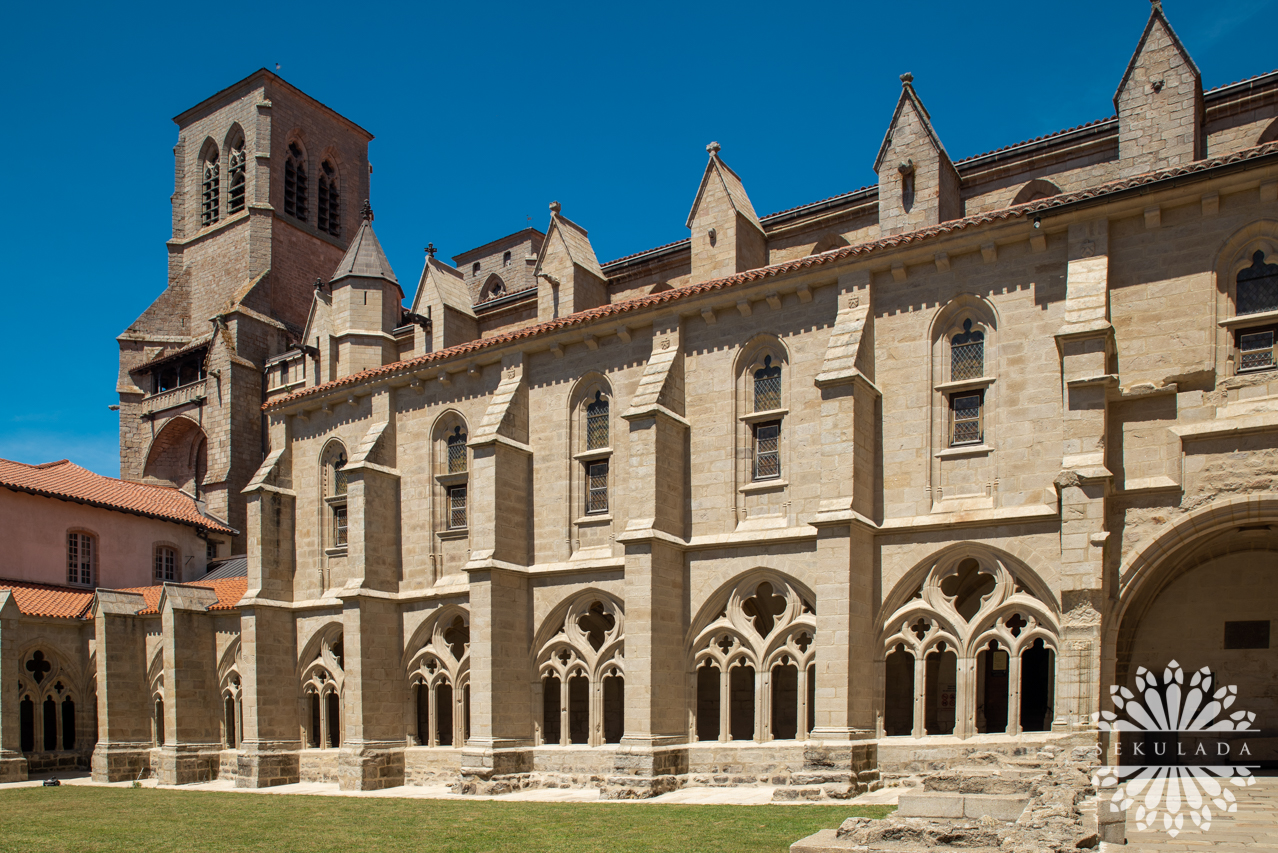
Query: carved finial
[366, 211]
[907, 78]
[319, 284]
[713, 148]
[555, 207]
[431, 250]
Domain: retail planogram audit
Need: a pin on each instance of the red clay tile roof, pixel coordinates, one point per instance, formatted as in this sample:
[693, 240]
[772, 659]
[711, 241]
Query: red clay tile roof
[64, 602]
[628, 306]
[229, 592]
[67, 481]
[42, 599]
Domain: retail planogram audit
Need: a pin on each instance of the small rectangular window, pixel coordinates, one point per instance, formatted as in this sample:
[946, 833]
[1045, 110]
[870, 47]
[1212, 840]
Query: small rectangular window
[965, 419]
[1247, 635]
[339, 525]
[597, 487]
[967, 361]
[767, 450]
[80, 559]
[1255, 350]
[456, 507]
[165, 564]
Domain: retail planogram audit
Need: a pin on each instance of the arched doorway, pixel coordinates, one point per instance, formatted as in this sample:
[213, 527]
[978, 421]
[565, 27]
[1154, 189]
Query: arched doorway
[1210, 606]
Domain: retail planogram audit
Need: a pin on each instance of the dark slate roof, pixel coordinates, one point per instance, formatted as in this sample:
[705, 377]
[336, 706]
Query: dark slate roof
[231, 567]
[365, 257]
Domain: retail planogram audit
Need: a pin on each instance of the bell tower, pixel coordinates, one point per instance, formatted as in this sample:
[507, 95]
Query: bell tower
[267, 185]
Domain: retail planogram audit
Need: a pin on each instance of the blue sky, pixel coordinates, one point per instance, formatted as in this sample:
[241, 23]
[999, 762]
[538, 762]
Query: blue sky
[484, 113]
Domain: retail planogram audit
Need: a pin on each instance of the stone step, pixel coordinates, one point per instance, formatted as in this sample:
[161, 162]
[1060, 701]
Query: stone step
[821, 777]
[828, 841]
[960, 805]
[988, 783]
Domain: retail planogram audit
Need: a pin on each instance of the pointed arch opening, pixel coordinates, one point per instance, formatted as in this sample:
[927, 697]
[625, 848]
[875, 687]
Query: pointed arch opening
[236, 171]
[210, 184]
[752, 652]
[580, 657]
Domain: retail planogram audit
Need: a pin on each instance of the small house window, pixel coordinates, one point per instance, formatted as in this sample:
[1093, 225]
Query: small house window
[967, 354]
[597, 487]
[209, 195]
[165, 563]
[81, 549]
[965, 418]
[235, 175]
[767, 450]
[456, 507]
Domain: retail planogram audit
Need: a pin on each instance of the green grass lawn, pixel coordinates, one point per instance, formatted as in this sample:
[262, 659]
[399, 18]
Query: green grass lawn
[90, 819]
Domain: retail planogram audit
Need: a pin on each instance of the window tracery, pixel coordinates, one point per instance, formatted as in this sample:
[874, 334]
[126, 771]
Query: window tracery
[322, 681]
[753, 663]
[971, 651]
[210, 186]
[439, 676]
[582, 671]
[236, 165]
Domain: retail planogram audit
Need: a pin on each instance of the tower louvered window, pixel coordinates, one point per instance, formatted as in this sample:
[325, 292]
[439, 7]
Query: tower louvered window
[328, 214]
[235, 177]
[209, 197]
[295, 188]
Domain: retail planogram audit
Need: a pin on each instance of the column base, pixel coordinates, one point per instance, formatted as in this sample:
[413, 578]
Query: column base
[13, 767]
[186, 764]
[265, 765]
[120, 762]
[643, 772]
[833, 771]
[370, 768]
[486, 766]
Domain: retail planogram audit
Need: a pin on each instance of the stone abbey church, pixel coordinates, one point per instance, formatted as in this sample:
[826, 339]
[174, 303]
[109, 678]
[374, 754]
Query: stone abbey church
[809, 499]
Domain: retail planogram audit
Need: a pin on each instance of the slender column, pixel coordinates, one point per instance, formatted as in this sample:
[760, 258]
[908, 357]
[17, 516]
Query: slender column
[920, 695]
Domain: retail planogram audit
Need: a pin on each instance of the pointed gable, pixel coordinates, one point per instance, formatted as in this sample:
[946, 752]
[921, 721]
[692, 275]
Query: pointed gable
[918, 184]
[568, 273]
[1159, 102]
[727, 237]
[443, 296]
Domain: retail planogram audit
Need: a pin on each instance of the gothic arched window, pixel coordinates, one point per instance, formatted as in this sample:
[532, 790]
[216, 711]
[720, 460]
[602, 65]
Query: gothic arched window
[295, 197]
[329, 210]
[235, 175]
[210, 187]
[582, 674]
[767, 434]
